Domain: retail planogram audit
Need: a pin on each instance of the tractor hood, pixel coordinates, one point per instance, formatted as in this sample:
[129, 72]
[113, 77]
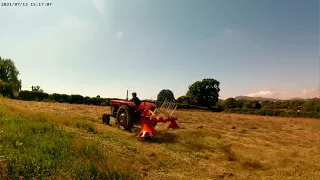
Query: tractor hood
[143, 105]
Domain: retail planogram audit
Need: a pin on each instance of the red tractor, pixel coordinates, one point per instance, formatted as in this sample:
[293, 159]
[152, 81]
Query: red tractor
[128, 114]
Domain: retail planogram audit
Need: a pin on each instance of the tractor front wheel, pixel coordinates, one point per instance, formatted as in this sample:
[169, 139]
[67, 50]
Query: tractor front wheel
[124, 117]
[106, 118]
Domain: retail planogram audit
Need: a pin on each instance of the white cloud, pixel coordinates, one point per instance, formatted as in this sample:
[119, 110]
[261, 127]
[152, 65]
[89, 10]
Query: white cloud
[261, 93]
[307, 91]
[100, 6]
[304, 93]
[119, 35]
[228, 32]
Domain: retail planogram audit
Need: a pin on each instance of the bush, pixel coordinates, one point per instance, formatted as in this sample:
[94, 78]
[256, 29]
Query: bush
[104, 102]
[76, 99]
[230, 103]
[218, 108]
[311, 105]
[95, 101]
[32, 95]
[188, 106]
[6, 89]
[65, 98]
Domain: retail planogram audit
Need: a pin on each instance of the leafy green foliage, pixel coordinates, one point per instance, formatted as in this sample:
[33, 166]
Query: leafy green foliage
[256, 105]
[230, 103]
[76, 99]
[240, 103]
[165, 94]
[187, 100]
[36, 88]
[32, 95]
[9, 73]
[56, 97]
[252, 104]
[62, 98]
[6, 89]
[312, 105]
[274, 112]
[206, 92]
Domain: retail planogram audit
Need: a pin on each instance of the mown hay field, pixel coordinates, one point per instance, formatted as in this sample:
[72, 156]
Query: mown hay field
[65, 141]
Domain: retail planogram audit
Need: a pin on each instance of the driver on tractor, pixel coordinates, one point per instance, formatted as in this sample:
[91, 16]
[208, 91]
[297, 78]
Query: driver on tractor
[135, 99]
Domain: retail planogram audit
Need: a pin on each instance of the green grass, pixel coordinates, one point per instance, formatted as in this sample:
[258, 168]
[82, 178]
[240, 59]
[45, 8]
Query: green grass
[71, 142]
[33, 147]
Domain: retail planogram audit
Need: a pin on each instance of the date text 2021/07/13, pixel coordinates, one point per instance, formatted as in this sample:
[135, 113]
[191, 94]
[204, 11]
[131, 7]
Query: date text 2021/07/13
[26, 4]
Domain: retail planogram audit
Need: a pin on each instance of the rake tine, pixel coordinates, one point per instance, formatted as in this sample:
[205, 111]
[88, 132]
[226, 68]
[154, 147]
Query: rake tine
[165, 113]
[153, 113]
[161, 106]
[163, 103]
[172, 106]
[166, 106]
[173, 110]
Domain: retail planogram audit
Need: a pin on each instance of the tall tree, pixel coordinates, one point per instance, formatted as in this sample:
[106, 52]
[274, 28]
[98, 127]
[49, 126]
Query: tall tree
[9, 73]
[36, 88]
[230, 103]
[165, 94]
[205, 91]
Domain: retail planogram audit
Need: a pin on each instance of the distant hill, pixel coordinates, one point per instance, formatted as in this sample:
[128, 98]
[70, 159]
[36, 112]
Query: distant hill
[263, 98]
[255, 98]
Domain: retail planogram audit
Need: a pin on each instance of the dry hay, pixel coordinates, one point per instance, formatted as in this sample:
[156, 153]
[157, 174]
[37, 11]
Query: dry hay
[209, 145]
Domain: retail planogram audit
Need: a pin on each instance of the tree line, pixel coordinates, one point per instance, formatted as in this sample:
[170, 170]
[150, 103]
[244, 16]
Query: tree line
[286, 108]
[202, 94]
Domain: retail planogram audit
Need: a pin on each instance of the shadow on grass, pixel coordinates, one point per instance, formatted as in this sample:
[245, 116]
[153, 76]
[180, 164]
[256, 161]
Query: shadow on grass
[159, 138]
[164, 137]
[136, 129]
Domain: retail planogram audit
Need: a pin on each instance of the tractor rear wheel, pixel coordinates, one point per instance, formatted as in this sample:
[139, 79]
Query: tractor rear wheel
[124, 117]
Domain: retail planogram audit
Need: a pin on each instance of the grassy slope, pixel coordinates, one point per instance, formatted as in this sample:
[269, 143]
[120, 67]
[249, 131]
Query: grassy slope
[32, 146]
[209, 145]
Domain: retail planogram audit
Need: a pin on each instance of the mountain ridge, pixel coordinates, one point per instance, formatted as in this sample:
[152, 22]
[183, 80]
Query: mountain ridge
[265, 98]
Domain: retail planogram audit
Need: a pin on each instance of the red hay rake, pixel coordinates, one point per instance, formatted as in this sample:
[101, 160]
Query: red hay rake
[149, 118]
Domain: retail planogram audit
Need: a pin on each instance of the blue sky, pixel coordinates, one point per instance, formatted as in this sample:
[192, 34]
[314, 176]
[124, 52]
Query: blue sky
[104, 47]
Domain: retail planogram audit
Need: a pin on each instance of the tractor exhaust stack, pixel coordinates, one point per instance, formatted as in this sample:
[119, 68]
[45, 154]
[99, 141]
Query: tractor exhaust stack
[127, 96]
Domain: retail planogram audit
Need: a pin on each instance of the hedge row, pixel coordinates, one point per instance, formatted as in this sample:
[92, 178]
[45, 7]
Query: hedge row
[63, 98]
[78, 99]
[274, 112]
